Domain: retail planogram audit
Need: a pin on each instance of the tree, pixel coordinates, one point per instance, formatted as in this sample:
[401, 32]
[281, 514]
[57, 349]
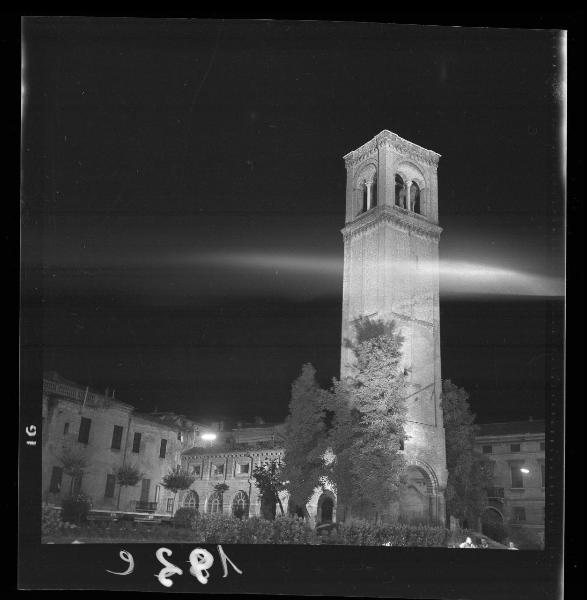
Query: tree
[176, 480]
[469, 473]
[126, 476]
[74, 465]
[369, 417]
[305, 437]
[269, 481]
[220, 488]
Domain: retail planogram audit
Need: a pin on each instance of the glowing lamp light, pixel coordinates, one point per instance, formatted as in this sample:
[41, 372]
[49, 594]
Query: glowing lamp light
[209, 437]
[526, 471]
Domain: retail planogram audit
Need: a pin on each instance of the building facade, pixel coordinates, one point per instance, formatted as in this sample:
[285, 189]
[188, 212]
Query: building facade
[230, 460]
[391, 238]
[517, 498]
[106, 434]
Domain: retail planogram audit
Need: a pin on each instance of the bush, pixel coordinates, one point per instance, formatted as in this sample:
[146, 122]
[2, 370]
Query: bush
[366, 533]
[217, 529]
[256, 531]
[184, 516]
[293, 530]
[525, 539]
[495, 530]
[75, 509]
[50, 520]
[226, 529]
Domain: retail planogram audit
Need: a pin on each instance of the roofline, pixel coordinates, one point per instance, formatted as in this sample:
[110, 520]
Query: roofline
[395, 139]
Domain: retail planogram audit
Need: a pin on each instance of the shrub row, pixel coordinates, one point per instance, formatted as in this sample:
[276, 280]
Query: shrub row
[218, 529]
[365, 533]
[293, 530]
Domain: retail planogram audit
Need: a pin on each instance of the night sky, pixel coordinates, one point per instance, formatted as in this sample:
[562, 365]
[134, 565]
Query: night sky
[184, 192]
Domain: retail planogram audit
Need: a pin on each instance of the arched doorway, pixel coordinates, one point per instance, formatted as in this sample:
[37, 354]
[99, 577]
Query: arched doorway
[492, 524]
[416, 496]
[240, 505]
[325, 508]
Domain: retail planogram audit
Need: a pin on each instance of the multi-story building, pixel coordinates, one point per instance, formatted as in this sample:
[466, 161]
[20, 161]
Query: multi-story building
[517, 451]
[103, 434]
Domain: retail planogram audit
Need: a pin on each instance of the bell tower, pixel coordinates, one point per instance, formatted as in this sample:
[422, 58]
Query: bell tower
[391, 238]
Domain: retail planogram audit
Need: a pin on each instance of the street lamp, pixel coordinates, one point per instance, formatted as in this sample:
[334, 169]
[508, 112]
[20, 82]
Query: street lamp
[208, 437]
[524, 470]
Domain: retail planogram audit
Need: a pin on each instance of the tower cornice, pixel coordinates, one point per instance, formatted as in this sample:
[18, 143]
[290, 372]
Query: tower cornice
[388, 138]
[399, 217]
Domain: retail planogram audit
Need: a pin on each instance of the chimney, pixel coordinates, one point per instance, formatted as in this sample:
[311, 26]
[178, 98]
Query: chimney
[259, 421]
[530, 418]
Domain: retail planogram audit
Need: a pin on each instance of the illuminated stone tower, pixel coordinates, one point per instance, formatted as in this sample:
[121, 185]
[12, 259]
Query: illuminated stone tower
[391, 237]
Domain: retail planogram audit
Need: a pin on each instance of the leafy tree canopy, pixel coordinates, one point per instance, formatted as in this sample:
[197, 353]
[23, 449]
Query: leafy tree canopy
[305, 436]
[269, 480]
[370, 414]
[73, 463]
[177, 479]
[128, 476]
[469, 472]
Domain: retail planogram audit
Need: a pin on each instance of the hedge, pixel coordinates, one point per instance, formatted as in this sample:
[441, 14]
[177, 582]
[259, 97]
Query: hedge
[231, 530]
[293, 530]
[365, 533]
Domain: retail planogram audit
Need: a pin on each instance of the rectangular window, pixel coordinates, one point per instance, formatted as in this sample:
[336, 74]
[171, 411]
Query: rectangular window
[542, 445]
[84, 430]
[163, 449]
[179, 436]
[243, 468]
[514, 447]
[196, 470]
[543, 475]
[56, 476]
[136, 442]
[66, 429]
[487, 449]
[517, 475]
[218, 470]
[519, 513]
[169, 505]
[116, 437]
[110, 483]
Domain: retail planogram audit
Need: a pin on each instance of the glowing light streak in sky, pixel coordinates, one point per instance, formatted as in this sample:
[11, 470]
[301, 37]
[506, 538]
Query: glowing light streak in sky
[456, 277]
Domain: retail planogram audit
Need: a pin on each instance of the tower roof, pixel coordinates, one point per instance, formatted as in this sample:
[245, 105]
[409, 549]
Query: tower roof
[401, 145]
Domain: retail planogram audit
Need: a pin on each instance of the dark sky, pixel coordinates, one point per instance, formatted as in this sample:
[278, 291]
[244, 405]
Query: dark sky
[184, 191]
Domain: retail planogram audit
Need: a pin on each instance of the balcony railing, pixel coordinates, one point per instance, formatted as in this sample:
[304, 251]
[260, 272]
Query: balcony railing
[495, 493]
[142, 506]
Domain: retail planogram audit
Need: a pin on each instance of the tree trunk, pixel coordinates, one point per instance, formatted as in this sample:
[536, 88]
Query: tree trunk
[280, 505]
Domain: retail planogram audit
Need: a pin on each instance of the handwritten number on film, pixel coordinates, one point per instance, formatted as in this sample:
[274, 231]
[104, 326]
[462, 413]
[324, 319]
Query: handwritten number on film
[200, 561]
